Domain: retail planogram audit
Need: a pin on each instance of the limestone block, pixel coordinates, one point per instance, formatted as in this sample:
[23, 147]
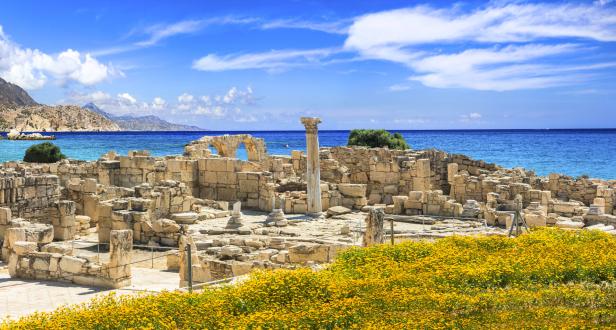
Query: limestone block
[399, 202]
[352, 189]
[13, 235]
[452, 171]
[41, 264]
[535, 220]
[22, 247]
[72, 265]
[411, 204]
[568, 224]
[282, 257]
[304, 252]
[201, 274]
[13, 263]
[66, 208]
[374, 198]
[58, 247]
[165, 226]
[5, 215]
[390, 189]
[423, 168]
[337, 210]
[173, 261]
[231, 251]
[185, 217]
[565, 207]
[89, 186]
[120, 247]
[240, 268]
[216, 164]
[39, 233]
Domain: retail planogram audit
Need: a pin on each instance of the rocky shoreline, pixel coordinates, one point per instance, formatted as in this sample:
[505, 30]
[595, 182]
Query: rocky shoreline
[16, 135]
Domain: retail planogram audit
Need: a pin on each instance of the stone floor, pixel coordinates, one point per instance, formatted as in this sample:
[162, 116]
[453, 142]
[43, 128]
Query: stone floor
[344, 228]
[22, 297]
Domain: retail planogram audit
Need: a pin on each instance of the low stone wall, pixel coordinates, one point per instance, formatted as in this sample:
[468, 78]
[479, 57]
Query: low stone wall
[27, 261]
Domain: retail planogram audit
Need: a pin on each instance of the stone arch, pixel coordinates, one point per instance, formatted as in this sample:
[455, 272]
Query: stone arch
[255, 148]
[227, 145]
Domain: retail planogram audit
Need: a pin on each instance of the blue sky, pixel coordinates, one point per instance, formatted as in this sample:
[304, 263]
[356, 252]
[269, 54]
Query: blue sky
[236, 65]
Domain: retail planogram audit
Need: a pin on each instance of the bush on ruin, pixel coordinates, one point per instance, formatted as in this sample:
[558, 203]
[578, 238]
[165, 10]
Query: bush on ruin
[377, 138]
[43, 153]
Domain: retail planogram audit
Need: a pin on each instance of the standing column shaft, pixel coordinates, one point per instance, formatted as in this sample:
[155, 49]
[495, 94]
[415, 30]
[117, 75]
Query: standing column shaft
[313, 171]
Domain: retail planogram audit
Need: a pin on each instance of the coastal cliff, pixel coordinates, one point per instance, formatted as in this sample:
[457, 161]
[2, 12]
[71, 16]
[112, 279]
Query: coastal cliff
[13, 95]
[60, 118]
[20, 112]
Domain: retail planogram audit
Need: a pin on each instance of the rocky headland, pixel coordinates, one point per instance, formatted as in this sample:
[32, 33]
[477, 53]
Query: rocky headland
[20, 112]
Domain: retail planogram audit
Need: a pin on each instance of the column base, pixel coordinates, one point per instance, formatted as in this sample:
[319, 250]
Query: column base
[316, 215]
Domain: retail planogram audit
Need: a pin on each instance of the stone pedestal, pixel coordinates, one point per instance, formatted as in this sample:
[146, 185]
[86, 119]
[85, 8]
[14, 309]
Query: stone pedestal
[276, 218]
[313, 168]
[236, 217]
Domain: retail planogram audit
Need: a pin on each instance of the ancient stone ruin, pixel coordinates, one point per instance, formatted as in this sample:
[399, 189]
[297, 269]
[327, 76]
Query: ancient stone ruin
[267, 211]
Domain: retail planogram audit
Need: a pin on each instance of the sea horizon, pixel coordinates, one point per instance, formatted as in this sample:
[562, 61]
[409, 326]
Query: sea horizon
[564, 151]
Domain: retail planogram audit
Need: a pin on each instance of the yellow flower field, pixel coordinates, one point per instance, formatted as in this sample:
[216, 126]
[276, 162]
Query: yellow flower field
[546, 279]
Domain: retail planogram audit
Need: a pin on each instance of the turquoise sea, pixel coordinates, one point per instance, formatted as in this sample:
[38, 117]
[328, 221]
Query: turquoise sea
[572, 152]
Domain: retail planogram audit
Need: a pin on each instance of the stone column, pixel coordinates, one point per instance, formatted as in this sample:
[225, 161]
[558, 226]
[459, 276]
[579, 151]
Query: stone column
[120, 250]
[313, 171]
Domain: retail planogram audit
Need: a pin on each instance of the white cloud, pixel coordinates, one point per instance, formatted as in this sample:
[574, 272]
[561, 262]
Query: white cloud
[153, 34]
[333, 27]
[159, 103]
[127, 98]
[161, 31]
[272, 60]
[224, 106]
[158, 32]
[185, 98]
[473, 117]
[32, 68]
[498, 22]
[496, 68]
[498, 47]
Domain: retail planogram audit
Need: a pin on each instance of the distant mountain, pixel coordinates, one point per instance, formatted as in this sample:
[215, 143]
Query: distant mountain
[13, 95]
[141, 123]
[19, 111]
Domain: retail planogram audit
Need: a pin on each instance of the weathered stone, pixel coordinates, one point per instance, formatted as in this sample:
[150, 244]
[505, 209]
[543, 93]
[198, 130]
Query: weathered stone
[165, 226]
[72, 265]
[185, 217]
[337, 210]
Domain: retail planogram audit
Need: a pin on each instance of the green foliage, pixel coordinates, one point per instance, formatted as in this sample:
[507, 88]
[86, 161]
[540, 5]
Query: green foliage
[377, 138]
[43, 153]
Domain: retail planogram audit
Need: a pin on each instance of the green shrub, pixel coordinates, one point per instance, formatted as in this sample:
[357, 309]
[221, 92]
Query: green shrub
[43, 153]
[377, 138]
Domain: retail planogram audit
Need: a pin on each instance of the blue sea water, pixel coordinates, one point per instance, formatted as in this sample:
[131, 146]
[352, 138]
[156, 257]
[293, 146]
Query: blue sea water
[571, 152]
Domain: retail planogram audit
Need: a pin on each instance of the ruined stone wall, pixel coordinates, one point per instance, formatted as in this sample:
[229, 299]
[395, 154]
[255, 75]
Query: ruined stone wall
[566, 188]
[28, 196]
[28, 261]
